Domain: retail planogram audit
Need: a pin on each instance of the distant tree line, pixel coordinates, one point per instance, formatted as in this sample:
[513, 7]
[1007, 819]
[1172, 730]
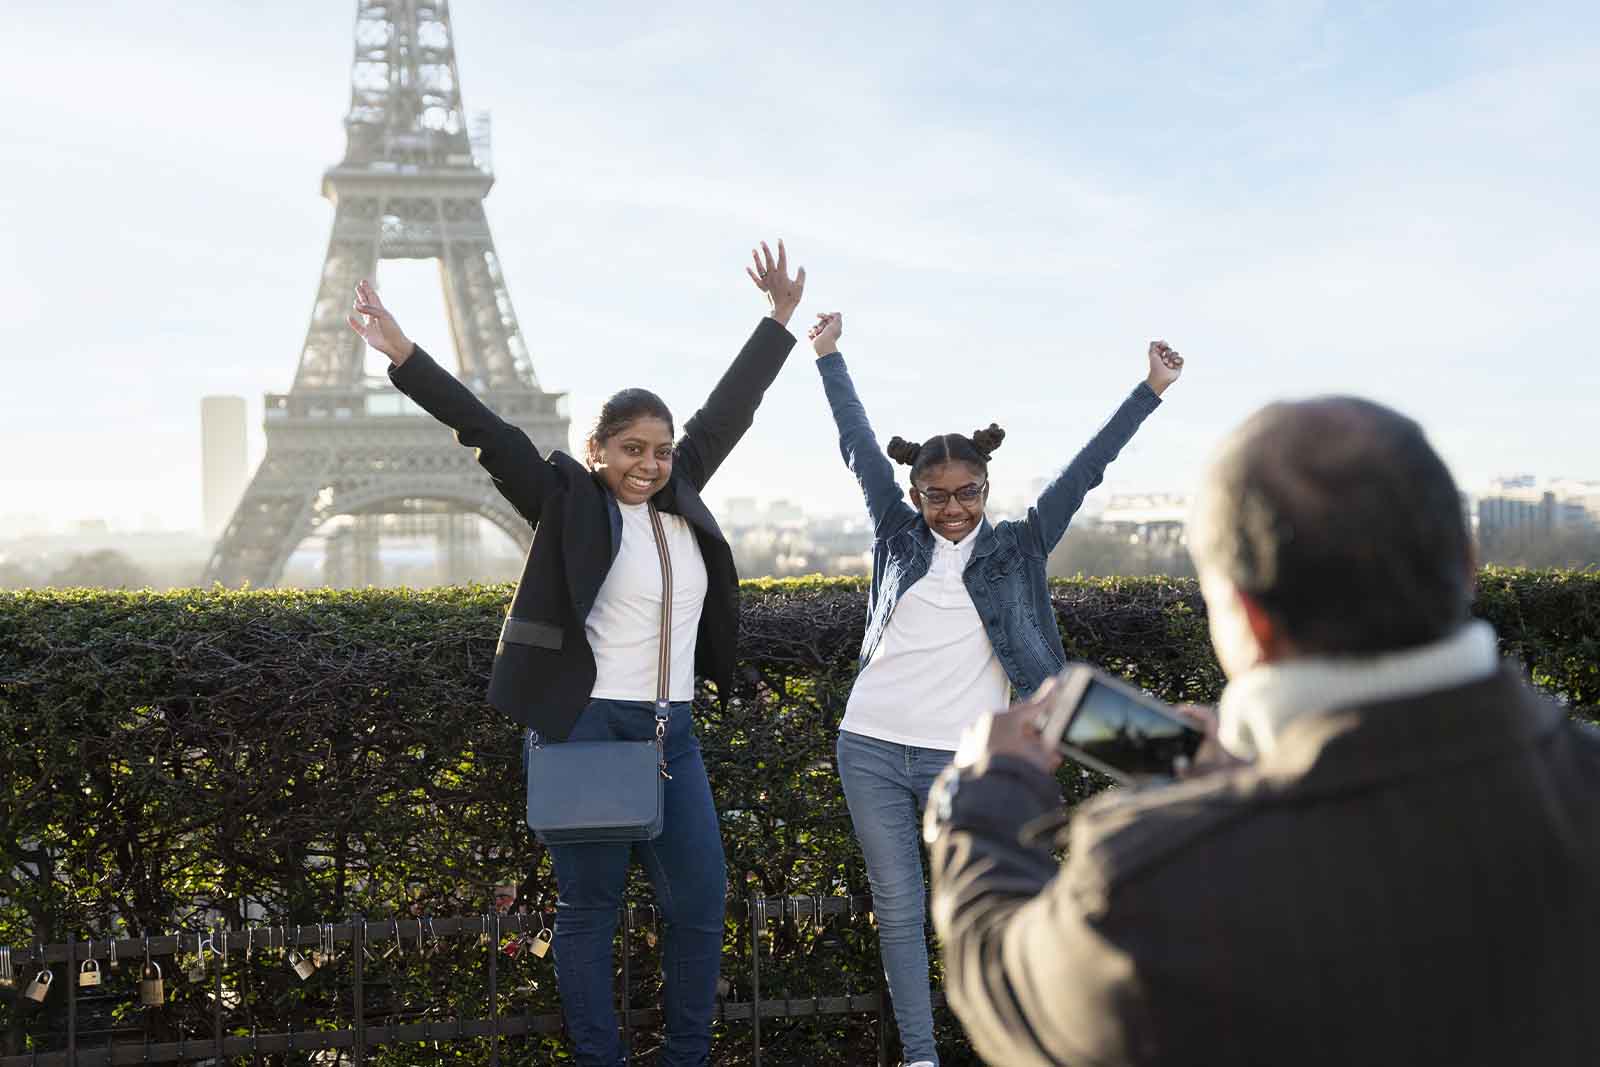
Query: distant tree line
[1569, 548]
[1087, 550]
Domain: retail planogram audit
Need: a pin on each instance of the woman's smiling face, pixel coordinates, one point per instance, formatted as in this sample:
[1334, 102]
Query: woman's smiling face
[636, 461]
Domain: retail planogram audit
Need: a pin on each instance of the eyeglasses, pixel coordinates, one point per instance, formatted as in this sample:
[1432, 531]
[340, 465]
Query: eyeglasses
[967, 494]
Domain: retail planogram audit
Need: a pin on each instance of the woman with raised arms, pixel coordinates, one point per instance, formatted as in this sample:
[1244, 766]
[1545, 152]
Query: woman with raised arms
[580, 650]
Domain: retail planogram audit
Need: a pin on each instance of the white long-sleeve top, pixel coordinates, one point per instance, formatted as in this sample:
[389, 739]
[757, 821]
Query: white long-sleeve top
[934, 672]
[625, 623]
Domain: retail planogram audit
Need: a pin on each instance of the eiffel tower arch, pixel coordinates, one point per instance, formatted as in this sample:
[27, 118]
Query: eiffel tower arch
[411, 186]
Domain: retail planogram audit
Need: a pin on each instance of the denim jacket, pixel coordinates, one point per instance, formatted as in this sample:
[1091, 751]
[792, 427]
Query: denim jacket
[1006, 573]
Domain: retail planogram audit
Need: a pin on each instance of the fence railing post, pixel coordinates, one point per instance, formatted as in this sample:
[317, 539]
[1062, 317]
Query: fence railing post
[758, 924]
[626, 1002]
[358, 994]
[220, 937]
[72, 999]
[494, 990]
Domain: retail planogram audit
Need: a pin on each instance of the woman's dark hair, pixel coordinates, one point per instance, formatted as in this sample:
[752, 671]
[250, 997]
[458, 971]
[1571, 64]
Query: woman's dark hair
[623, 408]
[974, 451]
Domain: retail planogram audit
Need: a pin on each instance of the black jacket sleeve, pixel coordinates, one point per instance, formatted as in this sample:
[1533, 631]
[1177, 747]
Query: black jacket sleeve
[520, 473]
[1019, 970]
[711, 432]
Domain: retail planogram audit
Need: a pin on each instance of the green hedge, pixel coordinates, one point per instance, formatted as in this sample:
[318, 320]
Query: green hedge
[309, 755]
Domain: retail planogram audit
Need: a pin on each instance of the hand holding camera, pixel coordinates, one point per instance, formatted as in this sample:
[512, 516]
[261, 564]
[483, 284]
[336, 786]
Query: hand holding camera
[1099, 722]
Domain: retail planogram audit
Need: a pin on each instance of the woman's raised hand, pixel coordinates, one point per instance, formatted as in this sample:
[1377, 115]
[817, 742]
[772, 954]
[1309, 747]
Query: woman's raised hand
[1165, 366]
[369, 318]
[772, 277]
[825, 334]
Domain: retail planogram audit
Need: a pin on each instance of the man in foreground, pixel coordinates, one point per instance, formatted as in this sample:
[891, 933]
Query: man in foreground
[1394, 859]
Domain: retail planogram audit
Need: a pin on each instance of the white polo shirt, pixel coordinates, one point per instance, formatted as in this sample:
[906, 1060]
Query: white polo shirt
[625, 623]
[934, 672]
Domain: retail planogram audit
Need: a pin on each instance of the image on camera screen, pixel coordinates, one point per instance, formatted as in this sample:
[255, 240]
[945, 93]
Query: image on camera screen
[1118, 731]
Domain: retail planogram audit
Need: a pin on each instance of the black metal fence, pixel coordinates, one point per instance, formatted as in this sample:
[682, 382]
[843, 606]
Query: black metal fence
[144, 969]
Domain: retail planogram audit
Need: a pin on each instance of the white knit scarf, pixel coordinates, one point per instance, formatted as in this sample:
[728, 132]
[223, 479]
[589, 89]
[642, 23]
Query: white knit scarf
[1257, 705]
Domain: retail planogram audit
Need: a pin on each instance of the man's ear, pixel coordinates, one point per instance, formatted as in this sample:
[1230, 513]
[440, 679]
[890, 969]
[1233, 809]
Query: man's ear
[1266, 629]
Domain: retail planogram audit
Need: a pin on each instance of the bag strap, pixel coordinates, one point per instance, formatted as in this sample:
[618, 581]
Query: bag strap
[664, 651]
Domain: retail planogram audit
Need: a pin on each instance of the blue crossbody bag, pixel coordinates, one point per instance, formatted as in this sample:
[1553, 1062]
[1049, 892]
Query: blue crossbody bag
[598, 791]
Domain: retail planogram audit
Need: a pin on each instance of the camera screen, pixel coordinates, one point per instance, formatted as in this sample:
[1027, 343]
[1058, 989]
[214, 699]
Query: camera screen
[1119, 731]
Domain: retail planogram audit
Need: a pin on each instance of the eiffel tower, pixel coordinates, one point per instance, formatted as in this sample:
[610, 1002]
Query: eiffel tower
[340, 443]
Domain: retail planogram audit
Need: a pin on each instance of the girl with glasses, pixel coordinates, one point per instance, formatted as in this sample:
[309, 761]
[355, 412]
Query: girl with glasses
[958, 616]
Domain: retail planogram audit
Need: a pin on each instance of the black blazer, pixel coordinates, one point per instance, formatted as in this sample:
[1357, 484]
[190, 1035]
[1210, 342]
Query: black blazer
[544, 668]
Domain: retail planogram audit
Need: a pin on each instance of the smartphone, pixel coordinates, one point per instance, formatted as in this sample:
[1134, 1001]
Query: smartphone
[1109, 726]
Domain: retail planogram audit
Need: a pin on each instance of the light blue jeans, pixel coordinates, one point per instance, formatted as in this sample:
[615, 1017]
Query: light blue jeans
[886, 786]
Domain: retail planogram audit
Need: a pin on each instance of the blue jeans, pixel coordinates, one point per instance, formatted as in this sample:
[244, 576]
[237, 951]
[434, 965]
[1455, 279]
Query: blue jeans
[686, 866]
[886, 786]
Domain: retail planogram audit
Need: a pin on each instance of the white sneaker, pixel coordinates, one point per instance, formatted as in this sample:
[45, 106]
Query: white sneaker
[921, 1063]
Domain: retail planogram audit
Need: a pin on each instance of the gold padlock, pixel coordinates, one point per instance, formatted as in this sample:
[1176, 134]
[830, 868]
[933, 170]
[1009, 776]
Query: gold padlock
[540, 943]
[39, 988]
[152, 990]
[302, 966]
[89, 974]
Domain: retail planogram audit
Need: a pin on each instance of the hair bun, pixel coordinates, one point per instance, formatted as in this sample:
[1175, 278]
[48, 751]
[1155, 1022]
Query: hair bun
[986, 441]
[902, 451]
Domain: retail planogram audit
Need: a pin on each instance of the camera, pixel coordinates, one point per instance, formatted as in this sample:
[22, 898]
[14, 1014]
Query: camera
[1111, 727]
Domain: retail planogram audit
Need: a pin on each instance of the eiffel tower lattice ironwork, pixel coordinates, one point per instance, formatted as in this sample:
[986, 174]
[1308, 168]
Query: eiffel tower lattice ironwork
[410, 186]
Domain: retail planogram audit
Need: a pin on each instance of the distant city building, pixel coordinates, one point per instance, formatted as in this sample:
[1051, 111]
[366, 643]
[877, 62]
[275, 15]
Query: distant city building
[1503, 515]
[224, 458]
[1519, 506]
[1147, 518]
[785, 513]
[1578, 496]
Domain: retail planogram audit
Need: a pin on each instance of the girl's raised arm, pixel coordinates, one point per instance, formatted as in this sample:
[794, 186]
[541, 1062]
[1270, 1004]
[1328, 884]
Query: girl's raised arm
[1064, 495]
[886, 505]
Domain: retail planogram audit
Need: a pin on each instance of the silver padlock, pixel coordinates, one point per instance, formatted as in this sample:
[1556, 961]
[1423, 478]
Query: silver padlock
[541, 943]
[197, 967]
[152, 990]
[89, 974]
[39, 988]
[302, 966]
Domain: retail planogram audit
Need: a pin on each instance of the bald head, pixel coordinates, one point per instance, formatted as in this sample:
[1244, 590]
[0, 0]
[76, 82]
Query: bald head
[1337, 517]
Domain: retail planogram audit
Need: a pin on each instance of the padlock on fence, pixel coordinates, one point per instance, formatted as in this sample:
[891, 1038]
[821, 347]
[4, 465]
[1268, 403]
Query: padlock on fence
[302, 966]
[39, 988]
[152, 988]
[89, 974]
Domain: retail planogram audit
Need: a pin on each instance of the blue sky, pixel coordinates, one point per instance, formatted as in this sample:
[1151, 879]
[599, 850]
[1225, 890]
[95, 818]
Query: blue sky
[1007, 202]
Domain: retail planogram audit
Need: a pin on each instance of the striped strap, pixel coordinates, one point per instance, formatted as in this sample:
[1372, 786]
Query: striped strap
[664, 655]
